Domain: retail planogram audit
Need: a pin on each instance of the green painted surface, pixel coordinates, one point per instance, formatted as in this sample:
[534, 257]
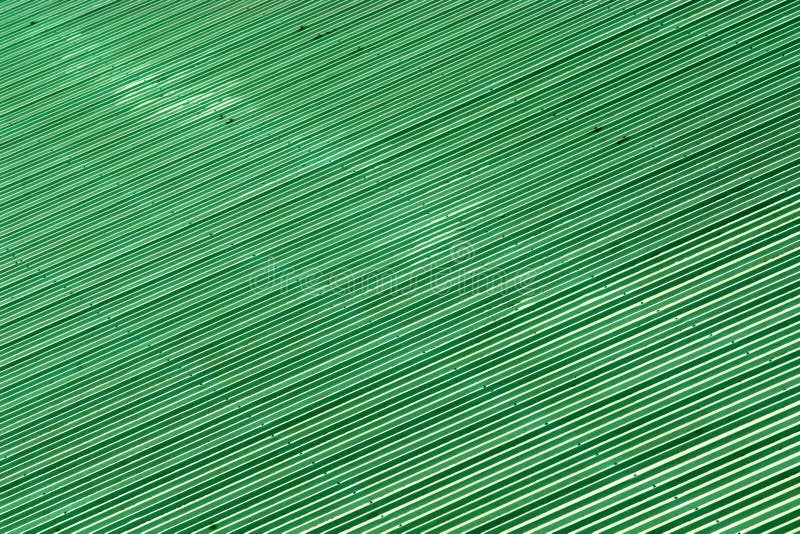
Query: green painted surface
[458, 266]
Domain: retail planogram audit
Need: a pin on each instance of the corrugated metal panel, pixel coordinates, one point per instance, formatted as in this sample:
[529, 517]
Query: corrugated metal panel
[466, 266]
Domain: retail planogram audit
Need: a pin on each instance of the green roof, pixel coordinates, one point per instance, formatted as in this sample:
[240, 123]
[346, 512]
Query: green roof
[416, 266]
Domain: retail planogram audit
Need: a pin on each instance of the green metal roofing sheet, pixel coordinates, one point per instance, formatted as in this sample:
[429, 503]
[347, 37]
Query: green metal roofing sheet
[416, 266]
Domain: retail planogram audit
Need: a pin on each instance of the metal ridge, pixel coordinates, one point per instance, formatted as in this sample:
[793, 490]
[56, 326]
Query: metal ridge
[371, 266]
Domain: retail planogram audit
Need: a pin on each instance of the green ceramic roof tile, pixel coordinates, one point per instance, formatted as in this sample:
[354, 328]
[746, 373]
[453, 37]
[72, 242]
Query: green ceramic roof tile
[415, 266]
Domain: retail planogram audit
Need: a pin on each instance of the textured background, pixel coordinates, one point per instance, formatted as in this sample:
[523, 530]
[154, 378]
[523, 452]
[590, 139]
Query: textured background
[425, 266]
